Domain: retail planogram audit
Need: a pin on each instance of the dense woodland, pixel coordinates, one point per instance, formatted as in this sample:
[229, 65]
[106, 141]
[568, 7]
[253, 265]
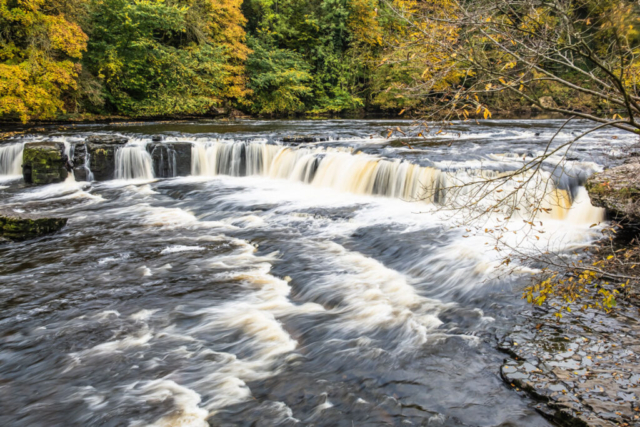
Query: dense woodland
[148, 58]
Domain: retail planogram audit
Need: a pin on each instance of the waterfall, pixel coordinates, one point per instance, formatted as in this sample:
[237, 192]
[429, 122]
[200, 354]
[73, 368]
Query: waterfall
[87, 164]
[359, 173]
[11, 159]
[334, 168]
[133, 162]
[165, 161]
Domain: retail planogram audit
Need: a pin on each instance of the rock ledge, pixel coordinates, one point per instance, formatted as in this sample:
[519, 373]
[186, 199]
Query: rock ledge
[23, 227]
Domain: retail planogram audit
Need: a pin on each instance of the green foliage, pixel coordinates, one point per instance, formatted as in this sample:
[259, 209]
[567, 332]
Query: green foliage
[323, 35]
[149, 57]
[279, 79]
[39, 53]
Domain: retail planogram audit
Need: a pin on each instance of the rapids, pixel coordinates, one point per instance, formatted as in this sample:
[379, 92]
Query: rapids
[309, 284]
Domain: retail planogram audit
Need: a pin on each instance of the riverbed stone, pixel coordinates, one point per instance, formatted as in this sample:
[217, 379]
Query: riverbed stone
[24, 227]
[44, 163]
[102, 155]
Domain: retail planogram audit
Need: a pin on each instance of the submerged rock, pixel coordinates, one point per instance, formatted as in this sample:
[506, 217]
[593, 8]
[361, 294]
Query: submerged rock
[18, 228]
[171, 159]
[44, 163]
[617, 190]
[102, 155]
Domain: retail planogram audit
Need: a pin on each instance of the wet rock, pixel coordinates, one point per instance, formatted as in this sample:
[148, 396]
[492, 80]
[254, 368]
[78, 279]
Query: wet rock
[102, 155]
[81, 169]
[23, 227]
[44, 163]
[617, 190]
[107, 140]
[301, 139]
[171, 159]
[156, 138]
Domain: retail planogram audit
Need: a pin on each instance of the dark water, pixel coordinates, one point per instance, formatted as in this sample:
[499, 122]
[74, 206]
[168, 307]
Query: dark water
[258, 301]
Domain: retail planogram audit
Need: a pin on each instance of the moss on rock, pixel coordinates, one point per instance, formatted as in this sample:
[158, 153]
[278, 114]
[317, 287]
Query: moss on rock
[44, 163]
[102, 155]
[18, 229]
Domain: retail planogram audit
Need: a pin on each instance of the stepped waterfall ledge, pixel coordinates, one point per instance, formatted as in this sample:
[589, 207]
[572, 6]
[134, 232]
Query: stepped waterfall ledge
[290, 272]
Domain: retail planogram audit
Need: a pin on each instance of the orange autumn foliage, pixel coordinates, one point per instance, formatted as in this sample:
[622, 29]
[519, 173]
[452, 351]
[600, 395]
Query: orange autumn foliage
[38, 59]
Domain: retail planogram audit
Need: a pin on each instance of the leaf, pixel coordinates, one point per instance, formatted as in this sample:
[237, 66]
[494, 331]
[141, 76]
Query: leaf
[401, 112]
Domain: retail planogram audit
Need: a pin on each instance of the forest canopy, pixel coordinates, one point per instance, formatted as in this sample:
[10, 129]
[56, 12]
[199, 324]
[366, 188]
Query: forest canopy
[150, 58]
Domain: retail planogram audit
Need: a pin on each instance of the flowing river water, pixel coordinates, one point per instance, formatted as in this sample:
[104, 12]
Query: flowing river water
[315, 284]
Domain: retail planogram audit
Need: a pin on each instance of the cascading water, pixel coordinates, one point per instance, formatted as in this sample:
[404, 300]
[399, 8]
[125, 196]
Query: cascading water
[283, 298]
[87, 164]
[133, 162]
[11, 159]
[165, 162]
[359, 173]
[335, 168]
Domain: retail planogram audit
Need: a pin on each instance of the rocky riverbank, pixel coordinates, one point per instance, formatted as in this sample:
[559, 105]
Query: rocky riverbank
[584, 367]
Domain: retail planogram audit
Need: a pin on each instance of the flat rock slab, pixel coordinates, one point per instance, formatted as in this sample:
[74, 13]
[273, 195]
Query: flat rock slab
[19, 227]
[584, 367]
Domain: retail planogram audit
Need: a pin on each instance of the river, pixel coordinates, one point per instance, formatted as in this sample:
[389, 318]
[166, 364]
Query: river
[277, 285]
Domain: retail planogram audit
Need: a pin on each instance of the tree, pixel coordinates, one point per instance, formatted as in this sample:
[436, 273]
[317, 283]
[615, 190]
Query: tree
[278, 78]
[328, 36]
[162, 58]
[39, 57]
[530, 48]
[586, 46]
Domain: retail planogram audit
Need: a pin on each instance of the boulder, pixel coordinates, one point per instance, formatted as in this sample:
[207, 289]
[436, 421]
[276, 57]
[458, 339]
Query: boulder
[171, 159]
[547, 102]
[618, 191]
[24, 227]
[44, 163]
[102, 155]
